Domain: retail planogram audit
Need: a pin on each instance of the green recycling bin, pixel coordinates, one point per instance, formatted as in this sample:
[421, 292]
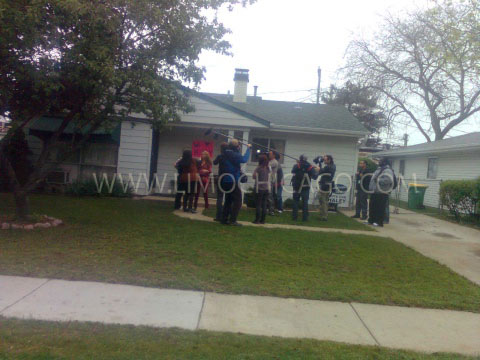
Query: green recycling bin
[416, 195]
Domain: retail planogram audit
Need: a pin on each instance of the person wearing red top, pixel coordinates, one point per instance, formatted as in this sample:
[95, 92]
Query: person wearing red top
[204, 170]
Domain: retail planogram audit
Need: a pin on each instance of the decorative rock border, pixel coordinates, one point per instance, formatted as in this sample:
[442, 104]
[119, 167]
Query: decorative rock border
[48, 222]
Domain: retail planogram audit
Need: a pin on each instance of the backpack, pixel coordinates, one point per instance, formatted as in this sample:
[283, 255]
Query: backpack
[395, 180]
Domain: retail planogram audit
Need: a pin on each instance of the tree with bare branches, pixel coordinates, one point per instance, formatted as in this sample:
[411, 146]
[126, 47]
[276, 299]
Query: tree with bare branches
[425, 64]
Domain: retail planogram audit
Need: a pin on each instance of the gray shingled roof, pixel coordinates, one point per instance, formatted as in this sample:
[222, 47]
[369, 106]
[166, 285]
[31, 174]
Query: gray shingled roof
[456, 143]
[285, 113]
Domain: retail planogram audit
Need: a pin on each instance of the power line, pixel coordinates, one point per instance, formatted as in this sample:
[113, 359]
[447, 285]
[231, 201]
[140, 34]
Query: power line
[285, 92]
[303, 99]
[425, 122]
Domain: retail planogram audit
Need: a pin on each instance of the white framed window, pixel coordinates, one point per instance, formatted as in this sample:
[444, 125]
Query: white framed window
[267, 144]
[432, 168]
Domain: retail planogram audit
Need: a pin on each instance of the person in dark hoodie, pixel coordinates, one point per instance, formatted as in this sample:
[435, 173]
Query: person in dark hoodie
[381, 185]
[362, 183]
[303, 173]
[188, 176]
[230, 181]
[220, 194]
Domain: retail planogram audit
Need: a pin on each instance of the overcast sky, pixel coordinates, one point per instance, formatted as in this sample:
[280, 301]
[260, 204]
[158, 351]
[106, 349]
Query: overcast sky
[283, 42]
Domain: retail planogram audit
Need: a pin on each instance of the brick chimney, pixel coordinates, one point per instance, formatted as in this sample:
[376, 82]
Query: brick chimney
[241, 83]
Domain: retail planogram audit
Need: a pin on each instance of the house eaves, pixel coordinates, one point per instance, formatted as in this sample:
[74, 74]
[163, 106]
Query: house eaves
[413, 152]
[318, 131]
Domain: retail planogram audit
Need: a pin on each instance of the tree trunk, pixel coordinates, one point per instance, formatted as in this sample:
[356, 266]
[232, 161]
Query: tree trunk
[22, 205]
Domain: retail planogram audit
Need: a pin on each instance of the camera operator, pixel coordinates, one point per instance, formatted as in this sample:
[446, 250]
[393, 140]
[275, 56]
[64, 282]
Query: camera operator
[326, 174]
[303, 173]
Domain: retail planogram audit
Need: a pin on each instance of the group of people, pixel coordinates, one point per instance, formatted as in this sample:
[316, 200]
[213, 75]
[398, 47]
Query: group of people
[378, 186]
[194, 177]
[303, 175]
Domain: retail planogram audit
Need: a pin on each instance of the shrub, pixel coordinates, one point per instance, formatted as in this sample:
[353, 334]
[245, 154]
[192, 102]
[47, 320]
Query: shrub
[461, 197]
[89, 188]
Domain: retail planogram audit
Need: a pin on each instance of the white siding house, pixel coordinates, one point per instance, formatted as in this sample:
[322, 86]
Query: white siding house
[134, 153]
[146, 157]
[455, 158]
[291, 128]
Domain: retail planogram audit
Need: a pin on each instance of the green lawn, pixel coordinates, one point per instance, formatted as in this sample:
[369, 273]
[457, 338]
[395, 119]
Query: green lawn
[335, 220]
[143, 243]
[36, 340]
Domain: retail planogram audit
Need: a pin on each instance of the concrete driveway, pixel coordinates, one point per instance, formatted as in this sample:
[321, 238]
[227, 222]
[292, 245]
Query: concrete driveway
[455, 246]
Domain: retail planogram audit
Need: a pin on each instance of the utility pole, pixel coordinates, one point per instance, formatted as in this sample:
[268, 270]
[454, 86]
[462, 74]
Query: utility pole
[318, 86]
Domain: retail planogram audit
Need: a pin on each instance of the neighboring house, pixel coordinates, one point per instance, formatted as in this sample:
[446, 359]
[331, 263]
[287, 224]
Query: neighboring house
[366, 149]
[431, 163]
[289, 127]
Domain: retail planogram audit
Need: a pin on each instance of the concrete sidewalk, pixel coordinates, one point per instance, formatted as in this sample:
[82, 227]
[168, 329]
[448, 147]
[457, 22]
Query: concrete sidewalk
[390, 326]
[200, 217]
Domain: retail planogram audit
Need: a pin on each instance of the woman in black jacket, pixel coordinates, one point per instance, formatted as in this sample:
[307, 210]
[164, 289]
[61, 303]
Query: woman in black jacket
[187, 179]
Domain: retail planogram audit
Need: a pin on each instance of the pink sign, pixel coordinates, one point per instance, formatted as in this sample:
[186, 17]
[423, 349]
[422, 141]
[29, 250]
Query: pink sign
[199, 146]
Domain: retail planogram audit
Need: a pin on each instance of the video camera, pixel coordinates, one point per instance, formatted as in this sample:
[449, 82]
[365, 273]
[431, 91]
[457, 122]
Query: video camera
[318, 160]
[262, 152]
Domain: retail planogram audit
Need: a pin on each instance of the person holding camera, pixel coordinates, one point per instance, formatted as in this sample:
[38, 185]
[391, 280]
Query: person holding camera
[326, 174]
[303, 173]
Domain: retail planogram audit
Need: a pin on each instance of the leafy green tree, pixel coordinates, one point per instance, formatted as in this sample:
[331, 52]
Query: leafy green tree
[361, 101]
[425, 64]
[93, 63]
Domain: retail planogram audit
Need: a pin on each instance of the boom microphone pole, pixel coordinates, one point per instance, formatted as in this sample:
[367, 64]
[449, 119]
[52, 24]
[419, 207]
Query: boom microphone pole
[216, 134]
